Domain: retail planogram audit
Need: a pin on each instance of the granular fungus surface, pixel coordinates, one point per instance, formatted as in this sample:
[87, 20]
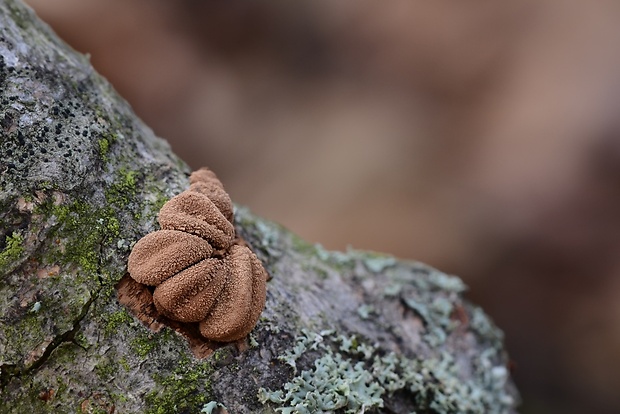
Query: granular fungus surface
[199, 270]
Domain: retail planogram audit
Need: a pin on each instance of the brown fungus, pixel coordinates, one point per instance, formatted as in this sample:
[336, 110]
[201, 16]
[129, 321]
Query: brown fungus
[199, 272]
[195, 213]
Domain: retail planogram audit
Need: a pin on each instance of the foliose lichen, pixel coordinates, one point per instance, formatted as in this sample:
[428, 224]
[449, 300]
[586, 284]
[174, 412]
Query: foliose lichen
[355, 377]
[212, 405]
[434, 297]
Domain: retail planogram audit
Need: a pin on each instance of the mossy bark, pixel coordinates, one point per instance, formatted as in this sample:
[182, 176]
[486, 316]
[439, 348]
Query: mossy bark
[83, 178]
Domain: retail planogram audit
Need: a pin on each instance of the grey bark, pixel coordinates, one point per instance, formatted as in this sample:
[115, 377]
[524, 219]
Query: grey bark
[83, 178]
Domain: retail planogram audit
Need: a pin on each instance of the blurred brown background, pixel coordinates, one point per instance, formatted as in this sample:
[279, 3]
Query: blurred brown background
[480, 137]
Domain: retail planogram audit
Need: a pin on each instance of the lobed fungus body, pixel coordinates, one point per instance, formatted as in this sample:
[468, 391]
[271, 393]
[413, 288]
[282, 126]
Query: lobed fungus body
[199, 271]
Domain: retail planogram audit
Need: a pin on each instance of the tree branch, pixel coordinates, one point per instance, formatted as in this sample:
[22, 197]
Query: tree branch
[83, 179]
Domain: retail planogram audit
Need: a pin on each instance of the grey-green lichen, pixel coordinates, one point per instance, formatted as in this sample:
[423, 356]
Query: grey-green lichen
[481, 324]
[212, 405]
[433, 296]
[356, 377]
[365, 311]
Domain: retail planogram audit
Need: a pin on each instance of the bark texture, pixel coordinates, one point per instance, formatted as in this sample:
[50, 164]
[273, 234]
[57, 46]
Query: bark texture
[83, 179]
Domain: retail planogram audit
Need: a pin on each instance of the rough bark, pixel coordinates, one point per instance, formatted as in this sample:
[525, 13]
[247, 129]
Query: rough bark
[83, 178]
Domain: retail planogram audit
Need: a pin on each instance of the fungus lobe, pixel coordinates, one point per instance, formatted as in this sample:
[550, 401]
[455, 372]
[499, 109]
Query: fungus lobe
[199, 271]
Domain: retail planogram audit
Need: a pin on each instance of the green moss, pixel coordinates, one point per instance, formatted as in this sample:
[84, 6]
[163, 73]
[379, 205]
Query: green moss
[30, 329]
[115, 320]
[159, 202]
[120, 397]
[46, 185]
[82, 230]
[124, 364]
[104, 143]
[105, 370]
[123, 189]
[222, 356]
[143, 344]
[75, 243]
[84, 236]
[104, 147]
[80, 339]
[13, 248]
[32, 324]
[186, 390]
[113, 227]
[128, 180]
[66, 353]
[61, 385]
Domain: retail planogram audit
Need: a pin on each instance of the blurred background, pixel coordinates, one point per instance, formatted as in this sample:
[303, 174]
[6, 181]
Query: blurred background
[481, 137]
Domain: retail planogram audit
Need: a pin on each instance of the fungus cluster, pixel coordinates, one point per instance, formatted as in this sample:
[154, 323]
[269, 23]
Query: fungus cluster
[199, 271]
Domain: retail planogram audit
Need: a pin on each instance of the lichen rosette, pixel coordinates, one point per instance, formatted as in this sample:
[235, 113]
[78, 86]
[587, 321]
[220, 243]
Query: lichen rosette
[199, 271]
